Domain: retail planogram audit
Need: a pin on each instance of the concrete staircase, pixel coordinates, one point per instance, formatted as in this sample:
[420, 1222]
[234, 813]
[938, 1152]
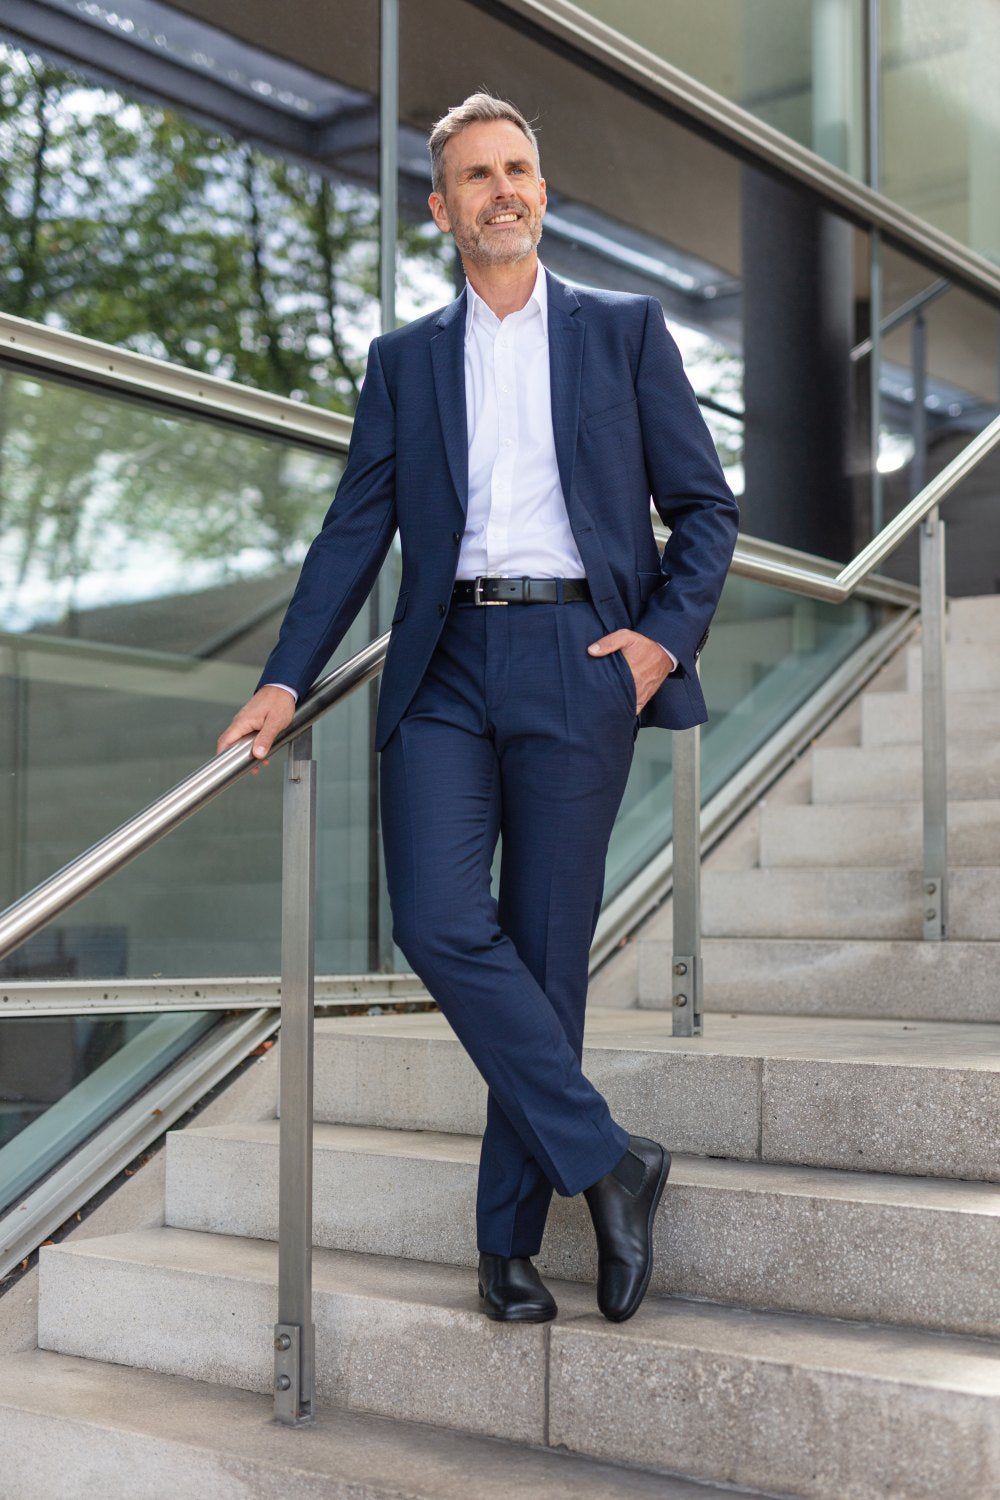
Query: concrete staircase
[823, 1320]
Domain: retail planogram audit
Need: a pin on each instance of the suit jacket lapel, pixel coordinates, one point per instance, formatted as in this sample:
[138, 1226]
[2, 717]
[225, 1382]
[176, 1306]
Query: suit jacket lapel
[566, 335]
[448, 359]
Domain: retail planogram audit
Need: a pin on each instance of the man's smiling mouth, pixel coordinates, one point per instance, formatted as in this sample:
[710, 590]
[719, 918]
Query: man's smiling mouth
[504, 218]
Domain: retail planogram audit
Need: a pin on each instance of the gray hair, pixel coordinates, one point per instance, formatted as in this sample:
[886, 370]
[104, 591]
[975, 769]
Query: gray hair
[478, 106]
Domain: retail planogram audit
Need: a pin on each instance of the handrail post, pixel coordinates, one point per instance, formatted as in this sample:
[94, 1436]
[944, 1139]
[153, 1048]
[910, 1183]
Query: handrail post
[935, 747]
[686, 970]
[294, 1338]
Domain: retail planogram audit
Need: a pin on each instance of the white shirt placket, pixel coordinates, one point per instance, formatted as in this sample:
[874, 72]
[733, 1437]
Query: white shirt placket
[504, 469]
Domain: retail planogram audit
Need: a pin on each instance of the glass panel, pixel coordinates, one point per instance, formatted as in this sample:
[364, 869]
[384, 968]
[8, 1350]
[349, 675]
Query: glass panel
[798, 67]
[145, 561]
[238, 236]
[767, 653]
[61, 1078]
[960, 337]
[941, 115]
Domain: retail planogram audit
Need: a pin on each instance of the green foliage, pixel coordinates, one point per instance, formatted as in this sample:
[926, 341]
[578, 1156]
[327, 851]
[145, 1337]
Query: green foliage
[128, 223]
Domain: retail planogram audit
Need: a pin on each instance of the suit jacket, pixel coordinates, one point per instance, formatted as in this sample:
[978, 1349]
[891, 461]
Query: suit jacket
[626, 426]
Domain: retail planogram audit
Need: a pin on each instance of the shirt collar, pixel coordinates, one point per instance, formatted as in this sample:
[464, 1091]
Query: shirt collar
[539, 295]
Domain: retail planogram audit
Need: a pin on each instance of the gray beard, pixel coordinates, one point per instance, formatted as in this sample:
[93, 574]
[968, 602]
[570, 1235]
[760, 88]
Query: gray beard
[476, 244]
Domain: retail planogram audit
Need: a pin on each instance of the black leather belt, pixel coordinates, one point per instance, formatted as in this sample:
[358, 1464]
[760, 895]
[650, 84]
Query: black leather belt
[519, 590]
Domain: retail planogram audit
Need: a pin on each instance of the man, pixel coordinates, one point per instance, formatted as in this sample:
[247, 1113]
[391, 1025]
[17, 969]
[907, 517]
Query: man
[514, 438]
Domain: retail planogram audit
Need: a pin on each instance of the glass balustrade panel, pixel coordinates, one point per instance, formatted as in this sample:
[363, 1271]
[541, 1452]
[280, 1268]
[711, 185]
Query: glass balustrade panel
[62, 1077]
[132, 623]
[939, 385]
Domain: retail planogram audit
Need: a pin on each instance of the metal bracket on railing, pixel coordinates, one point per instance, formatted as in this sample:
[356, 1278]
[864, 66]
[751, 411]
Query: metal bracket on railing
[934, 893]
[686, 982]
[294, 1339]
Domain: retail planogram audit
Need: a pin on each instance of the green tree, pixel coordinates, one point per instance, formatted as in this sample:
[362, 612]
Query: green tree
[128, 223]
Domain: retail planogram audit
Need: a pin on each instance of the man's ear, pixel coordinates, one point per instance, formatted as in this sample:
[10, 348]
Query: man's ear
[542, 196]
[439, 212]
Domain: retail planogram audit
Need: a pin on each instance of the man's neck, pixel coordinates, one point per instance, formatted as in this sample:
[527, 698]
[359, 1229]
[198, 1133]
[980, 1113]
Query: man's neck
[505, 289]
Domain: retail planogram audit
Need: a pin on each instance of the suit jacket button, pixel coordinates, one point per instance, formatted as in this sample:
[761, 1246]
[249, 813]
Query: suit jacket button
[441, 609]
[456, 537]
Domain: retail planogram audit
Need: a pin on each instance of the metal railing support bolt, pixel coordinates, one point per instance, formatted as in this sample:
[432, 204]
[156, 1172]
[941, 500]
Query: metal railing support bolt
[294, 1335]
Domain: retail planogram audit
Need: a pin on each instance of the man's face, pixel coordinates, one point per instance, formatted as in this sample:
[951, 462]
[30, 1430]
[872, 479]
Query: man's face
[494, 199]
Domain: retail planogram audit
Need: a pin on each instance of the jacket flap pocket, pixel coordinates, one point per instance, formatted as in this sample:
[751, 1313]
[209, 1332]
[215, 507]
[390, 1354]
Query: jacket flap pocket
[400, 609]
[650, 582]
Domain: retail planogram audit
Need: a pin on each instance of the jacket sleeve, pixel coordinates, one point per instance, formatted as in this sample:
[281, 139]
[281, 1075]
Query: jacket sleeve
[691, 496]
[344, 559]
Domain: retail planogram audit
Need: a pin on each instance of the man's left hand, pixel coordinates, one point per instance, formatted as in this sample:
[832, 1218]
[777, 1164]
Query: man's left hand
[649, 662]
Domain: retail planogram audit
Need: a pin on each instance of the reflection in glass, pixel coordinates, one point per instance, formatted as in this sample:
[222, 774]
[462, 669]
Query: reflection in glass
[145, 563]
[941, 342]
[129, 222]
[61, 1078]
[940, 66]
[797, 67]
[767, 653]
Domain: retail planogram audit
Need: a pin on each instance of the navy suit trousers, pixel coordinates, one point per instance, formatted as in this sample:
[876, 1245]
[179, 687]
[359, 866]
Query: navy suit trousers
[514, 731]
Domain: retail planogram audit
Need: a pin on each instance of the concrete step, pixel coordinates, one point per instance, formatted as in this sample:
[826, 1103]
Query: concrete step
[73, 1429]
[969, 666]
[797, 835]
[900, 1250]
[394, 1336]
[894, 773]
[951, 981]
[793, 1405]
[895, 718]
[845, 903]
[876, 1096]
[974, 618]
[799, 1406]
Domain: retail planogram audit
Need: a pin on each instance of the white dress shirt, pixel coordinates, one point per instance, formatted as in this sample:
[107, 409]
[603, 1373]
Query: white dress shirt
[516, 523]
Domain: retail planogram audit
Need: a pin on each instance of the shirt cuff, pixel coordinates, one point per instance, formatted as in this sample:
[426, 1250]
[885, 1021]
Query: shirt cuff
[669, 655]
[284, 687]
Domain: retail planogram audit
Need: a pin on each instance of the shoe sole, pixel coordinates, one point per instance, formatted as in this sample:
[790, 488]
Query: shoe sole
[633, 1306]
[532, 1316]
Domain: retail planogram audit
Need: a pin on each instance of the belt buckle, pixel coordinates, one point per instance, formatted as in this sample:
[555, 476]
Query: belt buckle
[477, 593]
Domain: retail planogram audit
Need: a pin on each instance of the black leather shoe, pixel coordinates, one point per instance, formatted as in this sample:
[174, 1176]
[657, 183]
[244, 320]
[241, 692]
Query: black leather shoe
[512, 1290]
[623, 1204]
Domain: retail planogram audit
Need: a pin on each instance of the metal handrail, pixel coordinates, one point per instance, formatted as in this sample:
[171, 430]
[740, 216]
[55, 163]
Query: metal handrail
[902, 313]
[755, 560]
[74, 357]
[763, 561]
[25, 917]
[816, 585]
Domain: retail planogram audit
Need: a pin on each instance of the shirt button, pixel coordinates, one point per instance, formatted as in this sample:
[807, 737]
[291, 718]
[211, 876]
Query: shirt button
[508, 442]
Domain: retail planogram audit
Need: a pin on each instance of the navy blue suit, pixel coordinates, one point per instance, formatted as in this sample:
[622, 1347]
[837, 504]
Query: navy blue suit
[495, 722]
